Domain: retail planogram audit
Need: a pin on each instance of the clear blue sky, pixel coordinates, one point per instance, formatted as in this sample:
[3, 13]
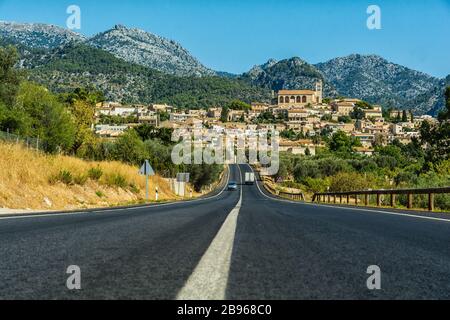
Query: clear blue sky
[234, 35]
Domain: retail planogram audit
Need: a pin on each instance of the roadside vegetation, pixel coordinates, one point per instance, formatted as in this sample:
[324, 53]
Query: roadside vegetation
[33, 180]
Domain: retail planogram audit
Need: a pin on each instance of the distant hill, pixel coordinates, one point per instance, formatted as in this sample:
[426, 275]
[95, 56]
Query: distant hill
[433, 101]
[376, 80]
[146, 49]
[291, 73]
[79, 65]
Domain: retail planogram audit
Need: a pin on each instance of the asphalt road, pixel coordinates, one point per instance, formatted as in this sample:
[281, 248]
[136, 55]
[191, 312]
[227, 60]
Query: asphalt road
[234, 245]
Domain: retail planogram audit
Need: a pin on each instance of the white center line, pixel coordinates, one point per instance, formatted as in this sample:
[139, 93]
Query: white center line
[210, 278]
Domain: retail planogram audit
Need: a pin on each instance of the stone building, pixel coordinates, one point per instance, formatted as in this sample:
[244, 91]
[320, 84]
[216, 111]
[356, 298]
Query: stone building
[300, 98]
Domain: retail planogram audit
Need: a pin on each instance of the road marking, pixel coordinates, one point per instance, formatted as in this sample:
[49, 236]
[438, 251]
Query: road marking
[56, 214]
[210, 277]
[350, 208]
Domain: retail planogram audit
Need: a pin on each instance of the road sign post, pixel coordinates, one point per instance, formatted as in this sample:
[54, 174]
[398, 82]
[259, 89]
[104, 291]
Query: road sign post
[146, 170]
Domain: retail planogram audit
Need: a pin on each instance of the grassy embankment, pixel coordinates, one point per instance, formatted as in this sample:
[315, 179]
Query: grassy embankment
[31, 180]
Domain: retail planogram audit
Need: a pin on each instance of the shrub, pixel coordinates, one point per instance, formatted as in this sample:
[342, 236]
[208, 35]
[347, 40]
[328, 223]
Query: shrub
[291, 184]
[80, 179]
[116, 180]
[99, 194]
[95, 173]
[63, 176]
[317, 184]
[363, 165]
[351, 181]
[306, 169]
[332, 166]
[134, 188]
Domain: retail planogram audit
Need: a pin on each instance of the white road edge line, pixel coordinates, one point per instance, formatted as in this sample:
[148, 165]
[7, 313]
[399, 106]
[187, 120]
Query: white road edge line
[56, 214]
[350, 208]
[210, 277]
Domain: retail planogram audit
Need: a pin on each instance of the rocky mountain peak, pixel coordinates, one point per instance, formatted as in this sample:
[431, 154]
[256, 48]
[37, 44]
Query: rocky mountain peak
[292, 73]
[147, 49]
[38, 35]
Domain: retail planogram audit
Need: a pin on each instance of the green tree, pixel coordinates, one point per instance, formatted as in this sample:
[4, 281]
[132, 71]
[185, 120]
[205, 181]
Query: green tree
[10, 77]
[357, 113]
[445, 114]
[49, 119]
[129, 148]
[83, 113]
[351, 181]
[404, 116]
[307, 152]
[147, 132]
[224, 114]
[266, 117]
[363, 105]
[345, 119]
[341, 142]
[436, 137]
[203, 175]
[164, 116]
[238, 105]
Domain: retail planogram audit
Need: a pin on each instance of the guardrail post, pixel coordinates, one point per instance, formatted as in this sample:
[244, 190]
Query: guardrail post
[348, 199]
[392, 200]
[329, 198]
[410, 200]
[431, 201]
[340, 198]
[335, 198]
[378, 200]
[366, 199]
[356, 199]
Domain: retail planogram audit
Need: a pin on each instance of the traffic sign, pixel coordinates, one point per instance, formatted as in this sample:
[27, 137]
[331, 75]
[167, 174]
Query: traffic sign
[146, 169]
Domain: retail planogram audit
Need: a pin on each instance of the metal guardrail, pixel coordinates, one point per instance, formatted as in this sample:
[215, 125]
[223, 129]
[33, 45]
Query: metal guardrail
[332, 197]
[292, 196]
[283, 194]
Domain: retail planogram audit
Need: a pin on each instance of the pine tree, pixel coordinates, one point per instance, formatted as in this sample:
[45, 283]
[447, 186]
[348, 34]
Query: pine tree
[404, 116]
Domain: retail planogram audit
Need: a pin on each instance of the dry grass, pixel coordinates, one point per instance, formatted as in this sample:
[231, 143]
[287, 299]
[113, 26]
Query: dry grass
[27, 181]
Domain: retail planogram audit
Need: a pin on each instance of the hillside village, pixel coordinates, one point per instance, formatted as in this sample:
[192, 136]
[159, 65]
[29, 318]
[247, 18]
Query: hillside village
[301, 116]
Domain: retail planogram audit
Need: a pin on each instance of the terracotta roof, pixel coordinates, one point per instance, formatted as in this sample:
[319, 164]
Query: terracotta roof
[297, 111]
[288, 92]
[345, 104]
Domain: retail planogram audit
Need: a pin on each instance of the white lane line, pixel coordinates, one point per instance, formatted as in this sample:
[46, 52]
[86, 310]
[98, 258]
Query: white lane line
[210, 277]
[56, 214]
[350, 208]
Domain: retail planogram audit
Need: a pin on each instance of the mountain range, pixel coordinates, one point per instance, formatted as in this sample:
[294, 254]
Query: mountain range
[146, 65]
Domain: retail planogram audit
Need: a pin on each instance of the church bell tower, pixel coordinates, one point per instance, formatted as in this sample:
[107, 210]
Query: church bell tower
[319, 91]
